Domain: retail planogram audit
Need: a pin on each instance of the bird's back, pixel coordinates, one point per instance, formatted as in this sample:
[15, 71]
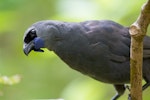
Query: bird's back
[100, 49]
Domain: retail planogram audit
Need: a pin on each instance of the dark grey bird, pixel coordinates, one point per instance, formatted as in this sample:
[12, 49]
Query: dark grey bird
[99, 49]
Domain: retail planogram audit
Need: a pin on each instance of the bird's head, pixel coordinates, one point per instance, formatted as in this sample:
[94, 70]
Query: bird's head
[43, 34]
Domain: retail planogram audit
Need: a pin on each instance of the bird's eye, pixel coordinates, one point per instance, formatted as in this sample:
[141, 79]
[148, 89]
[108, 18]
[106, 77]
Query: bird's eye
[30, 36]
[32, 31]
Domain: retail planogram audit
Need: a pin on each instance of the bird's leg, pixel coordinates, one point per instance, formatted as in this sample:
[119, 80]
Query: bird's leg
[145, 86]
[120, 90]
[128, 87]
[116, 96]
[129, 97]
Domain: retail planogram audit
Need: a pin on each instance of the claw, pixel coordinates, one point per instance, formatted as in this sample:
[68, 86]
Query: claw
[128, 87]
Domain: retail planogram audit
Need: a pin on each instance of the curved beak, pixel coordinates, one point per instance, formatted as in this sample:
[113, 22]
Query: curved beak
[27, 48]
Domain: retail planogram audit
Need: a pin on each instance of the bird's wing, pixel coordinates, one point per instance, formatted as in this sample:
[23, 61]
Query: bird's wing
[114, 36]
[98, 47]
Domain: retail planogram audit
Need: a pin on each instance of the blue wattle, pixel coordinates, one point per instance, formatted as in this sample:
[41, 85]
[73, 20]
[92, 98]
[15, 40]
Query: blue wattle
[38, 43]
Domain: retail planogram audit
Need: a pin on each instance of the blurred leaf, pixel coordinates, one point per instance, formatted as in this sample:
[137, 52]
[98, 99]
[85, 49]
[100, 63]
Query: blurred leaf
[10, 80]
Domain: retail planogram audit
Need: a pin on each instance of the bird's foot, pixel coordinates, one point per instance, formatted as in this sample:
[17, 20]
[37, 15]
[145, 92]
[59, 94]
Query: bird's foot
[128, 87]
[129, 97]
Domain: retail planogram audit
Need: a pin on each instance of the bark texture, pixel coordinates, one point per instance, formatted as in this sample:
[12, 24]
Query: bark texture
[137, 31]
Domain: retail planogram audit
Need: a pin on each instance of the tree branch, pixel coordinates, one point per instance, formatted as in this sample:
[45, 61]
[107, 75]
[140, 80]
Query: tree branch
[137, 31]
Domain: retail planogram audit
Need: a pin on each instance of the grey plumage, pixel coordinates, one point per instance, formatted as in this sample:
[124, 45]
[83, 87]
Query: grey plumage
[99, 49]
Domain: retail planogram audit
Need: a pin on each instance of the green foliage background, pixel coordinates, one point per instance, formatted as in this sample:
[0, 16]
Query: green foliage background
[44, 75]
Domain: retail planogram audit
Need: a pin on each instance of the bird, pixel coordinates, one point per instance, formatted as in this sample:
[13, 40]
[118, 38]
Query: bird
[99, 49]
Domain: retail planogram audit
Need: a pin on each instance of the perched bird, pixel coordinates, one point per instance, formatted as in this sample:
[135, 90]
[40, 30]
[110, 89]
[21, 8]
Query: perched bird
[99, 49]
